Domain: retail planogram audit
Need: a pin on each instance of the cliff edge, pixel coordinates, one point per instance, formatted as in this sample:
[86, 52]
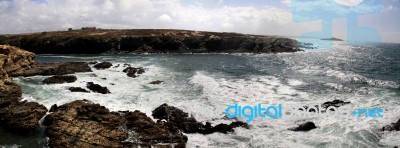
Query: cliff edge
[99, 41]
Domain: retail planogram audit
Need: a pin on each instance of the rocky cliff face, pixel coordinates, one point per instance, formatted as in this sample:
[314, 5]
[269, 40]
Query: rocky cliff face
[147, 41]
[15, 114]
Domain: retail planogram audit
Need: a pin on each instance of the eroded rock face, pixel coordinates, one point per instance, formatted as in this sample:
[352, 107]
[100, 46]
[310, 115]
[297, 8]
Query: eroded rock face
[59, 79]
[182, 121]
[16, 115]
[47, 69]
[133, 72]
[84, 124]
[103, 65]
[97, 88]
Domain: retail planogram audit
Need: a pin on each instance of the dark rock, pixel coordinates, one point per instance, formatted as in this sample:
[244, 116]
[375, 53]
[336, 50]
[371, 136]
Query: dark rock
[59, 79]
[132, 71]
[46, 69]
[188, 124]
[116, 66]
[20, 116]
[392, 127]
[93, 62]
[335, 103]
[153, 133]
[78, 89]
[304, 127]
[156, 82]
[84, 124]
[332, 39]
[104, 78]
[97, 88]
[103, 65]
[53, 108]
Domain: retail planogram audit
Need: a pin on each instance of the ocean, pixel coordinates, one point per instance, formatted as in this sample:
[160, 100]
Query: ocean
[206, 84]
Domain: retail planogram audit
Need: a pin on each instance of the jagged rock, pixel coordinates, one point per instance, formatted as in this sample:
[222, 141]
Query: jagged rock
[156, 82]
[84, 124]
[16, 115]
[103, 65]
[153, 133]
[97, 88]
[304, 127]
[53, 108]
[59, 79]
[188, 124]
[392, 127]
[20, 116]
[132, 71]
[78, 89]
[46, 69]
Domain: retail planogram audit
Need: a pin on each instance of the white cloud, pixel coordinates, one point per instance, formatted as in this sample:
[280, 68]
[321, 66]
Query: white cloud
[29, 16]
[349, 3]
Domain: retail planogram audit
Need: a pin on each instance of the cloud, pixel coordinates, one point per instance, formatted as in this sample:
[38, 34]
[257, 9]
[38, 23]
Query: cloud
[29, 16]
[349, 3]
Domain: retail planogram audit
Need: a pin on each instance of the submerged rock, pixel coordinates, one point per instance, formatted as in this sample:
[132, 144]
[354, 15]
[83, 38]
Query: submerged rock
[59, 79]
[305, 127]
[103, 65]
[392, 127]
[132, 71]
[78, 89]
[46, 69]
[188, 124]
[335, 103]
[156, 82]
[97, 88]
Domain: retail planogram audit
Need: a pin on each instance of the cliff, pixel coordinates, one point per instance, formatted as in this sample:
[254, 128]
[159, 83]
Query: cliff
[147, 41]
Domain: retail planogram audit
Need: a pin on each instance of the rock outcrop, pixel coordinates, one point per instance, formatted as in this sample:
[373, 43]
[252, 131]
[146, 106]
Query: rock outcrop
[60, 79]
[392, 127]
[47, 69]
[85, 124]
[133, 72]
[14, 114]
[97, 88]
[148, 41]
[103, 65]
[78, 89]
[304, 127]
[182, 121]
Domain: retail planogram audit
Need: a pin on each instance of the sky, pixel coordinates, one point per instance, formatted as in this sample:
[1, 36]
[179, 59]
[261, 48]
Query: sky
[264, 17]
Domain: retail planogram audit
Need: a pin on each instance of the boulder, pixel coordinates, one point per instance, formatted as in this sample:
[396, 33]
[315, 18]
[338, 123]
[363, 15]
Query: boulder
[132, 71]
[60, 79]
[182, 121]
[103, 65]
[97, 88]
[78, 89]
[305, 127]
[47, 69]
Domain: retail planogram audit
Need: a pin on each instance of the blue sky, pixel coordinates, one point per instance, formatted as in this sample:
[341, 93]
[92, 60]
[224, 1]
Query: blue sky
[266, 17]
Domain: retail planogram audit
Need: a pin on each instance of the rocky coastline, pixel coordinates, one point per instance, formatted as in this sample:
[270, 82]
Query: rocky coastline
[98, 41]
